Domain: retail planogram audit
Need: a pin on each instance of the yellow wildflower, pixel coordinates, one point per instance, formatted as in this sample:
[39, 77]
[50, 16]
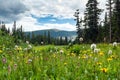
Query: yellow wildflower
[1, 51]
[104, 70]
[79, 57]
[84, 56]
[90, 55]
[73, 54]
[109, 59]
[65, 63]
[99, 63]
[54, 55]
[101, 53]
[113, 56]
[68, 54]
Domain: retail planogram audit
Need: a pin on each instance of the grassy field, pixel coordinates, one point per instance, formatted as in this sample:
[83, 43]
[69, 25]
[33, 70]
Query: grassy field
[50, 62]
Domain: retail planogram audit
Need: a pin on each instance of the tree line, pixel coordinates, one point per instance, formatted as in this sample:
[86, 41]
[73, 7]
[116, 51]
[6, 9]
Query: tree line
[20, 36]
[107, 30]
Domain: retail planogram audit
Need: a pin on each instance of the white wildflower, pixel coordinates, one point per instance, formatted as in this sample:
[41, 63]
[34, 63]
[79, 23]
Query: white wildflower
[29, 47]
[93, 46]
[114, 44]
[25, 49]
[27, 42]
[109, 52]
[61, 51]
[29, 60]
[42, 43]
[16, 46]
[81, 39]
[96, 50]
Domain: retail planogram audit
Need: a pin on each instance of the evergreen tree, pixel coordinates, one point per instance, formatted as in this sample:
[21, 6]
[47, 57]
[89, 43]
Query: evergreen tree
[93, 13]
[78, 24]
[66, 40]
[109, 5]
[116, 21]
[49, 38]
[106, 28]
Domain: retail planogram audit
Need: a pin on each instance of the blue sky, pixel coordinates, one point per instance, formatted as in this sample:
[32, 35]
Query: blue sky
[42, 14]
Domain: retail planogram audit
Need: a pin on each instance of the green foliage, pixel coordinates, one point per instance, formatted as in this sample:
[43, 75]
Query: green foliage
[43, 64]
[75, 49]
[6, 40]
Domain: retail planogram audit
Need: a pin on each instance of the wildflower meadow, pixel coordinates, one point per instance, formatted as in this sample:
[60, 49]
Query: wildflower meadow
[50, 62]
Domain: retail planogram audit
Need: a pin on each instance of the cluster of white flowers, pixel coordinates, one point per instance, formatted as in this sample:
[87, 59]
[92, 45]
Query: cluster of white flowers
[29, 46]
[109, 52]
[27, 42]
[96, 50]
[16, 46]
[114, 44]
[42, 43]
[29, 60]
[61, 51]
[93, 46]
[81, 39]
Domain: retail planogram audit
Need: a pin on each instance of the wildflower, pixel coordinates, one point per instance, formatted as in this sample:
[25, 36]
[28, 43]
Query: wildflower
[19, 49]
[104, 70]
[95, 59]
[109, 59]
[15, 66]
[4, 60]
[54, 55]
[51, 51]
[101, 53]
[65, 63]
[96, 50]
[85, 56]
[113, 56]
[114, 44]
[16, 46]
[29, 47]
[42, 43]
[79, 57]
[73, 54]
[109, 52]
[98, 63]
[93, 46]
[9, 68]
[29, 60]
[61, 51]
[81, 39]
[27, 42]
[1, 51]
[25, 49]
[90, 55]
[68, 54]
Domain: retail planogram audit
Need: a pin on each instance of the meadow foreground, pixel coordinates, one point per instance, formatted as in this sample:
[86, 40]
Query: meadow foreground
[78, 62]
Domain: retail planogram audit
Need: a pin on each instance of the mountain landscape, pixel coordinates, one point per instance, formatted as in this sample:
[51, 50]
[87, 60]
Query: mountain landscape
[54, 33]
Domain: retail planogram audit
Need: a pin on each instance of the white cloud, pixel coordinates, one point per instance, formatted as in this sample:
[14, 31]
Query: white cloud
[31, 24]
[61, 9]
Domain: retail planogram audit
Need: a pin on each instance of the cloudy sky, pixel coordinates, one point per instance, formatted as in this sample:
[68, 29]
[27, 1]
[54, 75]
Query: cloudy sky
[42, 14]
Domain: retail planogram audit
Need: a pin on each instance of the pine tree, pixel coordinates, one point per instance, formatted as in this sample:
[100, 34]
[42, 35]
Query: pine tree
[116, 21]
[49, 38]
[93, 13]
[109, 5]
[66, 40]
[78, 24]
[106, 28]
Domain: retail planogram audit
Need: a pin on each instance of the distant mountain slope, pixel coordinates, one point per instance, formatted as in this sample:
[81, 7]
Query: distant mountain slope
[54, 33]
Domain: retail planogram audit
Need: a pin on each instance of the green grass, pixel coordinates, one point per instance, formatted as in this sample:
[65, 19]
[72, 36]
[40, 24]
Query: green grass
[61, 63]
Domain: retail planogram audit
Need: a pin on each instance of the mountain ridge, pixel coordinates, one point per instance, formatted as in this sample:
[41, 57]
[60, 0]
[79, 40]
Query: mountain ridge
[54, 33]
